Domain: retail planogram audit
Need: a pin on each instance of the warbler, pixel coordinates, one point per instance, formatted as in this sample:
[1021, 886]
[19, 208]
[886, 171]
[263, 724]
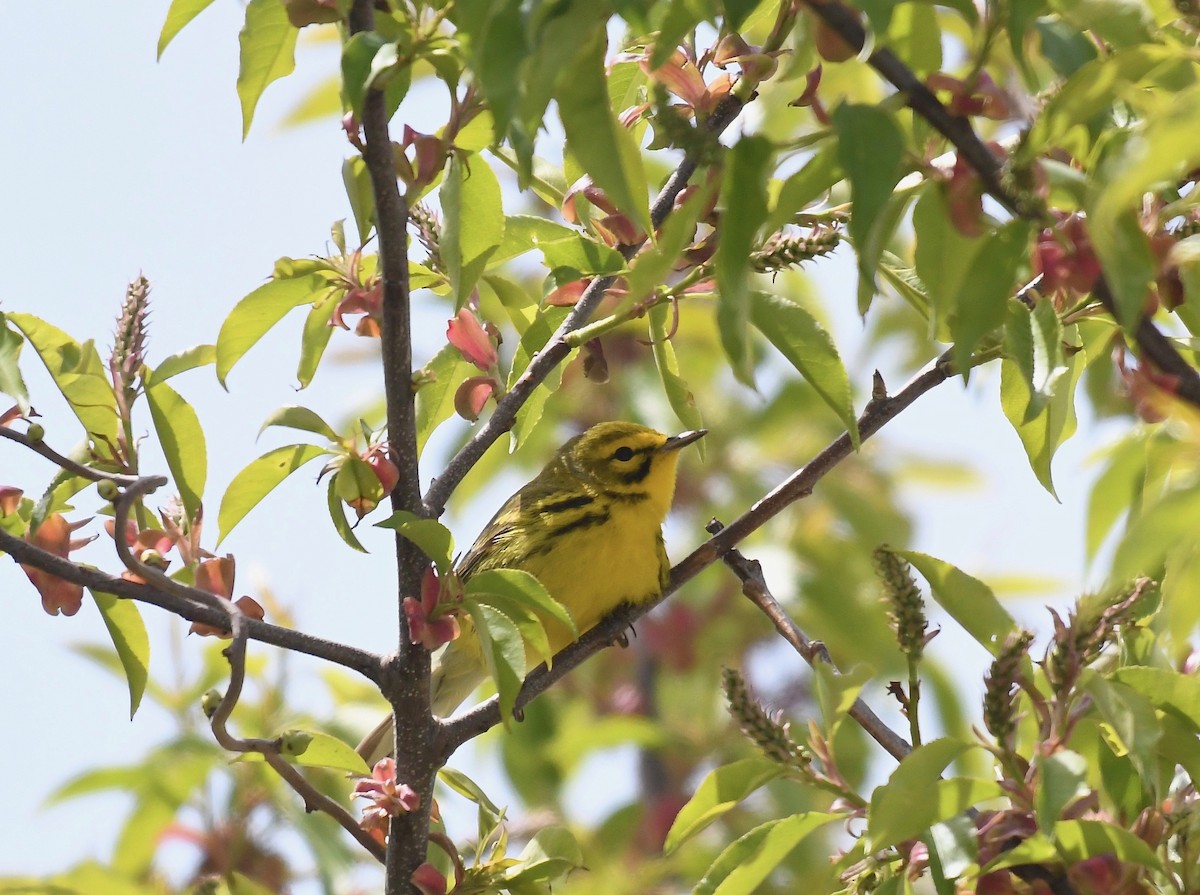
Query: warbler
[588, 527]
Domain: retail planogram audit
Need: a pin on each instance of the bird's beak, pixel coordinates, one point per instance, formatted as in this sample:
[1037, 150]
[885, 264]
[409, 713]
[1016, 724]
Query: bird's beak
[683, 439]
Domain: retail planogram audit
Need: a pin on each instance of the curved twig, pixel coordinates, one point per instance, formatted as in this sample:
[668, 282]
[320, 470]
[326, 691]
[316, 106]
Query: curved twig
[557, 349]
[365, 663]
[1153, 344]
[879, 411]
[754, 587]
[44, 450]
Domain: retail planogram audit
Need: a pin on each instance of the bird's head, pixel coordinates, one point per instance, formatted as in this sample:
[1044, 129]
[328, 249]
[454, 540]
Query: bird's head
[630, 460]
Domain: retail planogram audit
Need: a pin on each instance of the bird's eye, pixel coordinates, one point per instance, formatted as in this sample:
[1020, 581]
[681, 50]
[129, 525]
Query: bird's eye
[623, 454]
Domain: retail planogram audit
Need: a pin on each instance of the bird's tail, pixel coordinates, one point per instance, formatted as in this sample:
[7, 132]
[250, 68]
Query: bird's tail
[455, 674]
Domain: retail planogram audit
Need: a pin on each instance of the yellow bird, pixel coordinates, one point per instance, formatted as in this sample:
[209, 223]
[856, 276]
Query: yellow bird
[588, 527]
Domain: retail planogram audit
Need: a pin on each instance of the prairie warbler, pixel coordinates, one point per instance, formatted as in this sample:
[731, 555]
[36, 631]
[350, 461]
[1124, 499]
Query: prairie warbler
[588, 527]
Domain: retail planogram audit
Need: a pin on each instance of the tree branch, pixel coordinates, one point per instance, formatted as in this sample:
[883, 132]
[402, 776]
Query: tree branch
[754, 587]
[1152, 343]
[405, 677]
[365, 663]
[878, 412]
[558, 348]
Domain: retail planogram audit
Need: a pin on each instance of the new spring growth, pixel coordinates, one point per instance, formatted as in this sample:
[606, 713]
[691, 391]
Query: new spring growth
[129, 340]
[783, 250]
[428, 229]
[771, 736]
[1000, 687]
[906, 609]
[1085, 634]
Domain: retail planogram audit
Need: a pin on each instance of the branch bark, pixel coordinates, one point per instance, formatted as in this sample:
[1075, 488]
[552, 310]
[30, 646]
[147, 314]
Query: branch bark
[1150, 340]
[405, 676]
[365, 663]
[755, 589]
[879, 411]
[558, 348]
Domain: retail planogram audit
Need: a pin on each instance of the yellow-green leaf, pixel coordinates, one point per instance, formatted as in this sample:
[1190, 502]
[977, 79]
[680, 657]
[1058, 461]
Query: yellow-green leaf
[129, 637]
[182, 440]
[267, 53]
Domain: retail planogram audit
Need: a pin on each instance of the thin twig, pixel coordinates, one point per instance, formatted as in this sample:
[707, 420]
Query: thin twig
[754, 587]
[958, 130]
[879, 411]
[64, 462]
[22, 551]
[557, 349]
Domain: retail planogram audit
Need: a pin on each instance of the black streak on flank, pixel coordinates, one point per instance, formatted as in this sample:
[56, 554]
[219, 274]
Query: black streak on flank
[587, 520]
[569, 503]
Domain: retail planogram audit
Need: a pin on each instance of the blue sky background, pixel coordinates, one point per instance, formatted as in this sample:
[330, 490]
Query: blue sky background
[115, 164]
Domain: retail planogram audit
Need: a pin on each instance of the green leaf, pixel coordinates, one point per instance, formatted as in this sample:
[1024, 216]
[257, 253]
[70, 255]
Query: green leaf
[129, 637]
[371, 62]
[837, 692]
[467, 788]
[496, 40]
[744, 195]
[267, 53]
[800, 338]
[337, 516]
[357, 181]
[1062, 779]
[524, 233]
[956, 843]
[474, 223]
[190, 359]
[520, 587]
[944, 259]
[742, 867]
[1163, 150]
[915, 798]
[1168, 690]
[79, 374]
[551, 853]
[969, 601]
[981, 303]
[581, 255]
[255, 314]
[1130, 724]
[605, 149]
[870, 149]
[1128, 262]
[1080, 839]
[1157, 531]
[11, 382]
[323, 751]
[1115, 490]
[532, 341]
[315, 337]
[652, 266]
[258, 479]
[182, 440]
[816, 177]
[178, 15]
[721, 791]
[1051, 423]
[1090, 90]
[679, 396]
[441, 378]
[431, 536]
[294, 416]
[503, 651]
